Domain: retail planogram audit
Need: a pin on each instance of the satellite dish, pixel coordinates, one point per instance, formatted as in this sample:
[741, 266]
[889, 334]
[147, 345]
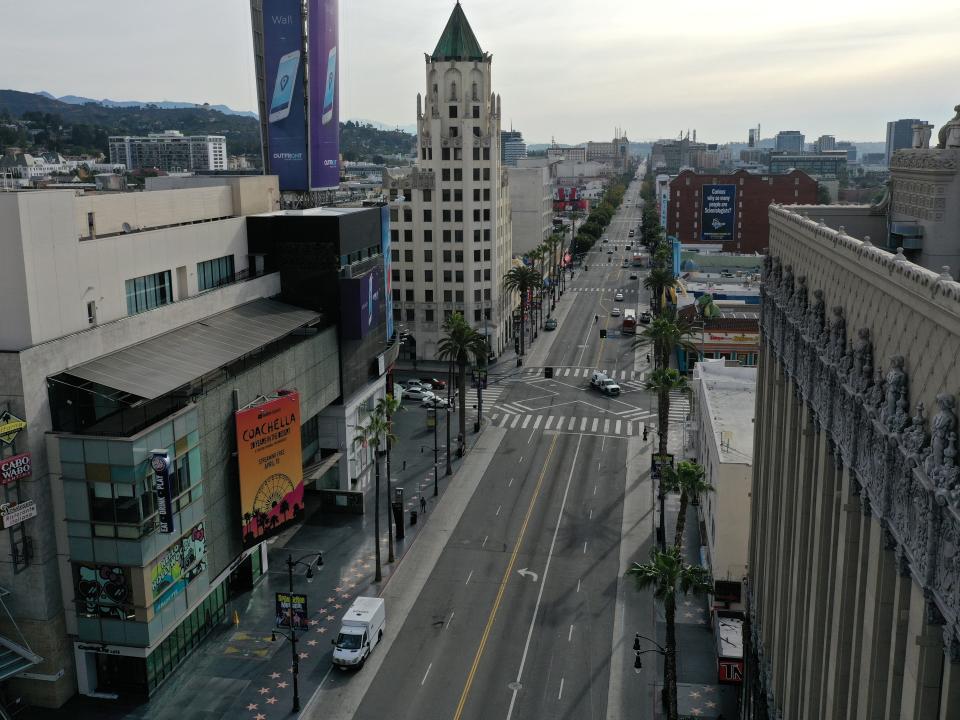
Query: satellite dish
[126, 227]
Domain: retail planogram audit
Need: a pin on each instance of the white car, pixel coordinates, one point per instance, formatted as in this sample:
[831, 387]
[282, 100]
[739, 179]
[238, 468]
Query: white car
[618, 297]
[615, 312]
[417, 393]
[434, 401]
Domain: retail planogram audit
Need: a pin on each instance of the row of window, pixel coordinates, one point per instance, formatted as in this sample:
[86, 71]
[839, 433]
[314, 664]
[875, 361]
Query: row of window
[448, 275]
[447, 235]
[448, 255]
[448, 295]
[427, 195]
[410, 315]
[457, 154]
[151, 291]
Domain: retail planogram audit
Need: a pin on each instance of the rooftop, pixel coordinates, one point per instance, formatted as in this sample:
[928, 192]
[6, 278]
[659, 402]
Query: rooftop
[729, 396]
[457, 41]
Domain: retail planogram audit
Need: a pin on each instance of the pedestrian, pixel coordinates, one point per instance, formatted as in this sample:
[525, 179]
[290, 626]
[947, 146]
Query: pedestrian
[648, 357]
[404, 465]
[423, 505]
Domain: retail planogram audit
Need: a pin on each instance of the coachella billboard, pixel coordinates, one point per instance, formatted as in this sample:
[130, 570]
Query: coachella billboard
[270, 466]
[324, 95]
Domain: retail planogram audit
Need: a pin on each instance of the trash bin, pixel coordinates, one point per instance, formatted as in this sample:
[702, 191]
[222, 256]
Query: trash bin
[413, 517]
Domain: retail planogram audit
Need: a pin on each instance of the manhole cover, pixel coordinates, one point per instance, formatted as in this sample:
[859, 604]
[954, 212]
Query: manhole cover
[515, 685]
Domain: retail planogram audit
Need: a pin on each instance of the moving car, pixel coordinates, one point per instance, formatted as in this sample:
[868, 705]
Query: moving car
[434, 383]
[550, 324]
[645, 317]
[434, 401]
[360, 632]
[413, 384]
[604, 241]
[618, 297]
[604, 384]
[632, 233]
[633, 276]
[615, 312]
[609, 252]
[417, 393]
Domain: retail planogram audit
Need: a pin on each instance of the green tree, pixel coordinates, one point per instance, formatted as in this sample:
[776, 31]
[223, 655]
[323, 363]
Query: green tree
[667, 331]
[667, 575]
[663, 382]
[459, 343]
[375, 433]
[522, 280]
[657, 281]
[389, 406]
[688, 478]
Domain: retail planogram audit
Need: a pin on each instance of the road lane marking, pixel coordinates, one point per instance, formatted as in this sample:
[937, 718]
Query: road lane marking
[629, 428]
[503, 582]
[566, 372]
[560, 422]
[560, 694]
[606, 426]
[468, 577]
[570, 634]
[591, 514]
[549, 422]
[425, 674]
[450, 620]
[583, 424]
[594, 489]
[543, 582]
[526, 421]
[498, 509]
[573, 420]
[536, 423]
[516, 419]
[510, 483]
[593, 428]
[484, 544]
[584, 547]
[617, 430]
[578, 584]
[521, 458]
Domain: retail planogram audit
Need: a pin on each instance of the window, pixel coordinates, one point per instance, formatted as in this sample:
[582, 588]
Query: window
[486, 235]
[91, 224]
[428, 277]
[457, 174]
[445, 153]
[395, 275]
[476, 194]
[486, 293]
[408, 235]
[476, 295]
[147, 292]
[411, 315]
[476, 174]
[408, 255]
[447, 314]
[428, 316]
[476, 131]
[454, 132]
[427, 195]
[396, 294]
[428, 255]
[408, 295]
[446, 236]
[453, 111]
[486, 173]
[448, 276]
[476, 235]
[476, 275]
[427, 215]
[394, 215]
[396, 314]
[408, 214]
[486, 153]
[476, 315]
[428, 294]
[92, 313]
[446, 216]
[214, 273]
[423, 153]
[394, 237]
[458, 256]
[476, 215]
[447, 255]
[476, 255]
[448, 295]
[458, 195]
[476, 111]
[458, 236]
[428, 236]
[486, 254]
[458, 296]
[445, 195]
[486, 193]
[486, 214]
[486, 274]
[459, 276]
[476, 152]
[458, 215]
[408, 275]
[408, 194]
[445, 174]
[394, 255]
[457, 154]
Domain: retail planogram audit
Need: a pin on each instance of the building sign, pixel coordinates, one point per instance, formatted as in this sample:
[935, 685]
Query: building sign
[360, 301]
[15, 467]
[657, 462]
[163, 488]
[10, 427]
[284, 74]
[324, 96]
[730, 672]
[103, 591]
[717, 213]
[178, 566]
[734, 338]
[387, 275]
[291, 610]
[269, 463]
[16, 513]
[664, 206]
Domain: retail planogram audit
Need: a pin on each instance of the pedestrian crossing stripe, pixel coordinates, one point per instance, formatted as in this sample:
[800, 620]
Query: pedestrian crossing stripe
[635, 376]
[566, 424]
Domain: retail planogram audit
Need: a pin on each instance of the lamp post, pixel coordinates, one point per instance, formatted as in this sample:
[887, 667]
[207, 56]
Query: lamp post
[436, 459]
[292, 637]
[638, 663]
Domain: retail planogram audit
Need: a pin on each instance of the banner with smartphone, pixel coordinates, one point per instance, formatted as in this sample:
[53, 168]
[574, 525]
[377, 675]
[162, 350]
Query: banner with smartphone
[284, 87]
[322, 29]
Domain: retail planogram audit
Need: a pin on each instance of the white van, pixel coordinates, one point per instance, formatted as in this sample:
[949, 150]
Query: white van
[360, 632]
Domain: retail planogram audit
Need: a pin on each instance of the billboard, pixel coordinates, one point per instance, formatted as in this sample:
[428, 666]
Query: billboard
[360, 304]
[284, 73]
[291, 610]
[387, 275]
[717, 213]
[269, 463]
[324, 95]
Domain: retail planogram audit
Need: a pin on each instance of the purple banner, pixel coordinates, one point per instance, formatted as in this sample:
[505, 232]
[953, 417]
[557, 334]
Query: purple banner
[324, 94]
[360, 304]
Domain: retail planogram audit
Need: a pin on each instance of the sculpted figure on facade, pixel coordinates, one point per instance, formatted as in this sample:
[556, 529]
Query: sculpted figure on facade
[862, 361]
[815, 315]
[896, 381]
[914, 438]
[875, 394]
[798, 303]
[846, 363]
[944, 424]
[766, 268]
[838, 334]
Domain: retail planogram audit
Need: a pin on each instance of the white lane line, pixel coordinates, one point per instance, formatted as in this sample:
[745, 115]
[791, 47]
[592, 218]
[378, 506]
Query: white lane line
[566, 372]
[426, 673]
[526, 421]
[570, 634]
[578, 584]
[468, 577]
[493, 418]
[532, 433]
[516, 419]
[450, 620]
[499, 507]
[484, 544]
[521, 458]
[510, 483]
[617, 430]
[593, 428]
[506, 419]
[549, 422]
[560, 694]
[583, 424]
[606, 426]
[584, 547]
[629, 428]
[572, 422]
[543, 581]
[591, 514]
[594, 489]
[560, 422]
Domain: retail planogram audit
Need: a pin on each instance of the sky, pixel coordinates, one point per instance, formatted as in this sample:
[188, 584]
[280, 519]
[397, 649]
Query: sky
[565, 69]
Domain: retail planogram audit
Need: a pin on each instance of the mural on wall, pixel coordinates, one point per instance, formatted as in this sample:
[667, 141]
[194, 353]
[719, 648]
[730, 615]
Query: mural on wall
[103, 591]
[178, 566]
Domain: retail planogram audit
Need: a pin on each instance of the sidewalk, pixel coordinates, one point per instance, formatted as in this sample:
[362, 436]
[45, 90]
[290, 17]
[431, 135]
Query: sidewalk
[238, 672]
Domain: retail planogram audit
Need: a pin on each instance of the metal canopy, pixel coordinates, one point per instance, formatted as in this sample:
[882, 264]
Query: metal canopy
[162, 364]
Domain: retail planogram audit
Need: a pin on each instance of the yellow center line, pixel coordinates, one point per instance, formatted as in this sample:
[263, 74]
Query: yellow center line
[503, 585]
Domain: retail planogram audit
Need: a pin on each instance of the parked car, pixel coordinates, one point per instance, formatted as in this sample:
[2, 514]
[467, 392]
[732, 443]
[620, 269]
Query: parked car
[550, 324]
[645, 318]
[615, 312]
[618, 297]
[434, 401]
[360, 632]
[417, 393]
[411, 384]
[633, 276]
[434, 383]
[604, 241]
[609, 252]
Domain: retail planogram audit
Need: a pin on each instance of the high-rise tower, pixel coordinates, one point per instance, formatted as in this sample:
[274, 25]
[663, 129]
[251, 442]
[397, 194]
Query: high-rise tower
[450, 214]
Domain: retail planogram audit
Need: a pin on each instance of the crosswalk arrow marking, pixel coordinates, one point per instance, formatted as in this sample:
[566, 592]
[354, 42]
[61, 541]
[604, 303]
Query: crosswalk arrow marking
[524, 572]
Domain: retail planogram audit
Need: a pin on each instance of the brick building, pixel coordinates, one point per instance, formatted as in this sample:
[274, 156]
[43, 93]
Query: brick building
[737, 218]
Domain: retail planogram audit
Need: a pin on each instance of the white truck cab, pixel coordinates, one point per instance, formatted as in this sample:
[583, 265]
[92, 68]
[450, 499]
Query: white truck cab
[604, 384]
[361, 631]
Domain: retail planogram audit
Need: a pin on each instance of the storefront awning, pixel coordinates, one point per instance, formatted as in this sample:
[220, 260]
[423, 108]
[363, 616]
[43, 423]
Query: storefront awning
[164, 363]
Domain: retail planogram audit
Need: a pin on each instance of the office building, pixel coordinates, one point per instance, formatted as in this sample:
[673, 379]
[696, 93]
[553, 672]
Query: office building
[615, 153]
[850, 148]
[450, 213]
[733, 214]
[899, 135]
[531, 207]
[825, 143]
[567, 154]
[670, 156]
[512, 147]
[829, 165]
[789, 141]
[170, 151]
[134, 325]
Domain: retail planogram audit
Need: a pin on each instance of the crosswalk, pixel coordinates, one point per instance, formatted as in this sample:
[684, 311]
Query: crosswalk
[610, 426]
[559, 371]
[625, 291]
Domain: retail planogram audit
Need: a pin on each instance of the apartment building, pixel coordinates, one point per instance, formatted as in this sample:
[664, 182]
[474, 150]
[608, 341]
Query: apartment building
[170, 151]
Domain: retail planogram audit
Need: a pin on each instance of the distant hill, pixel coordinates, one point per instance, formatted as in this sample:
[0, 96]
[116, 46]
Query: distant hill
[162, 104]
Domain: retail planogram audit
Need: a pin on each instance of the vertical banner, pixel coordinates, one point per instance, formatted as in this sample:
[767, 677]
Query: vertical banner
[322, 32]
[717, 213]
[387, 274]
[284, 72]
[270, 465]
[291, 610]
[163, 487]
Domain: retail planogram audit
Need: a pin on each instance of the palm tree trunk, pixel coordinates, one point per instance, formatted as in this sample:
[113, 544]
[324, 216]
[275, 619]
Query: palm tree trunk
[389, 510]
[670, 659]
[681, 520]
[376, 513]
[462, 386]
[523, 321]
[663, 420]
[447, 411]
[480, 378]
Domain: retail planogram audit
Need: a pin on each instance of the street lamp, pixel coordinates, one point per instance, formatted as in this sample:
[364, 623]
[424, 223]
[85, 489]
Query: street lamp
[292, 637]
[638, 663]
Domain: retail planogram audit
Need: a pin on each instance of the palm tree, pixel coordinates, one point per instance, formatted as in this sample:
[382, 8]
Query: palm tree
[666, 574]
[459, 343]
[663, 382]
[376, 430]
[554, 242]
[521, 280]
[658, 281]
[667, 331]
[536, 256]
[388, 406]
[687, 479]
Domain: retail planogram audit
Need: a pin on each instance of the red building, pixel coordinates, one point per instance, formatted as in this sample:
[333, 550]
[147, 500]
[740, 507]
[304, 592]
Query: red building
[731, 209]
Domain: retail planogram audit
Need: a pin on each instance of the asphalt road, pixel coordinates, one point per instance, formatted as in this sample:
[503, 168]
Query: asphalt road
[517, 618]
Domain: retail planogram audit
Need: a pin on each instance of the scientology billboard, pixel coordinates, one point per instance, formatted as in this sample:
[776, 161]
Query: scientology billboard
[284, 73]
[717, 213]
[324, 94]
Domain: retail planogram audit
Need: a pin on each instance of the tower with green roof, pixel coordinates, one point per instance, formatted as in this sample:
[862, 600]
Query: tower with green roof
[450, 213]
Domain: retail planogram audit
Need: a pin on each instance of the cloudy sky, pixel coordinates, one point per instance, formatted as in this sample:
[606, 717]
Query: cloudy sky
[565, 69]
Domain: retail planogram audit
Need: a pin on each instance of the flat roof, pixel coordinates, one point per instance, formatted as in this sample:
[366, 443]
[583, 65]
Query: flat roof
[176, 358]
[729, 396]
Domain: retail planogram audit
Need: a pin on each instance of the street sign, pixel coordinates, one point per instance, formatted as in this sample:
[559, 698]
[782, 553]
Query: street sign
[291, 609]
[658, 461]
[10, 427]
[16, 513]
[15, 467]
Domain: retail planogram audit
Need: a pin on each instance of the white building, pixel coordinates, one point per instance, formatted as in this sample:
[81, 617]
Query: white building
[171, 151]
[531, 207]
[450, 213]
[722, 436]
